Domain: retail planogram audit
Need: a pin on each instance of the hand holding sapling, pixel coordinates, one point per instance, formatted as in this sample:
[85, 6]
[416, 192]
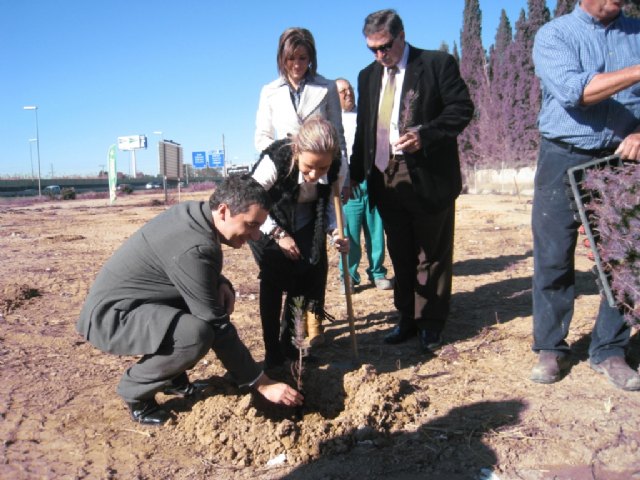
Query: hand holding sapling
[409, 140]
[278, 392]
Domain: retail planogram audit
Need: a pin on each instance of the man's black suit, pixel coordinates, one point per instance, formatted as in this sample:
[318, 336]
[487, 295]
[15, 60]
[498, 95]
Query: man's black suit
[417, 203]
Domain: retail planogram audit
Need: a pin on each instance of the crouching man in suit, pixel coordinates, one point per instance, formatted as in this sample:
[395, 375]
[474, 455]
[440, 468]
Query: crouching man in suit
[162, 295]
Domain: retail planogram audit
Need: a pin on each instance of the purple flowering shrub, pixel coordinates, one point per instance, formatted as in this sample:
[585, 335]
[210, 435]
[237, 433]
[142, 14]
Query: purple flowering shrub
[615, 217]
[201, 187]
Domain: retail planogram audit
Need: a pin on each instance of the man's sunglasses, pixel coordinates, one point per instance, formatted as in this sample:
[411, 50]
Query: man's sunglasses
[383, 48]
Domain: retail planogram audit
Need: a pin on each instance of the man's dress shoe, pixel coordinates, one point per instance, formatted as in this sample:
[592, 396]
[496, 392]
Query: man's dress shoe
[148, 412]
[183, 387]
[399, 334]
[430, 341]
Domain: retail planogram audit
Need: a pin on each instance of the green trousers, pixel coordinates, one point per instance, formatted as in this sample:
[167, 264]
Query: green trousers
[359, 217]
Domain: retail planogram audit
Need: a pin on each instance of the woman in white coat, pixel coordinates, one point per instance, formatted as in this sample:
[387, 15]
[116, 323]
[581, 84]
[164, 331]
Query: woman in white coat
[298, 93]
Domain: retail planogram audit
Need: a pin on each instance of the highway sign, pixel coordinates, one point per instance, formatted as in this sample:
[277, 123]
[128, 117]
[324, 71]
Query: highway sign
[216, 159]
[199, 159]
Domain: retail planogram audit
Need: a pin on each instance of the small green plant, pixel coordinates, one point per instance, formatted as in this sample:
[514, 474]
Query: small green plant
[299, 312]
[408, 110]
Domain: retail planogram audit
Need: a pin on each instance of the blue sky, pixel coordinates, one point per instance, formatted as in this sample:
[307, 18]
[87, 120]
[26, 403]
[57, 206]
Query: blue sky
[100, 69]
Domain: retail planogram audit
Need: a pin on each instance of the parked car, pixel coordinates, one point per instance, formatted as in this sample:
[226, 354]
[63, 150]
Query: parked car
[153, 185]
[52, 191]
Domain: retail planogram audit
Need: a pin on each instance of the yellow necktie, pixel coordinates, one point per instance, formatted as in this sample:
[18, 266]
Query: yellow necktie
[383, 149]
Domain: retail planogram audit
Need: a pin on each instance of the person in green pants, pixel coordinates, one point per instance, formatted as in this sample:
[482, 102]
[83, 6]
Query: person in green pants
[357, 212]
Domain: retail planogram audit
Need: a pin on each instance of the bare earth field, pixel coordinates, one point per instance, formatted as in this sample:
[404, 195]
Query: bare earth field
[395, 413]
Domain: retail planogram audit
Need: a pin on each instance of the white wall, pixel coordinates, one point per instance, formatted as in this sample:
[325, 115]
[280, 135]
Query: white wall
[508, 181]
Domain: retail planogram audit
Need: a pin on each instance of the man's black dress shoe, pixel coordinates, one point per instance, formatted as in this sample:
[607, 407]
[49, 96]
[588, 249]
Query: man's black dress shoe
[399, 334]
[148, 412]
[182, 386]
[429, 340]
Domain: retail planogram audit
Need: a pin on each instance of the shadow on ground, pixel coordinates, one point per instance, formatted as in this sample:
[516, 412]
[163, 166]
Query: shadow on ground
[433, 451]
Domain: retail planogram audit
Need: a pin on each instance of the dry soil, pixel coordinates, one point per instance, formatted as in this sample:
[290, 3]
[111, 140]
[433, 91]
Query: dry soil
[468, 412]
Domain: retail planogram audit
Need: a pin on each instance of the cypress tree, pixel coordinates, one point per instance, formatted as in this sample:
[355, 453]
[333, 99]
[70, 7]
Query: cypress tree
[527, 94]
[455, 53]
[504, 36]
[471, 49]
[563, 7]
[472, 70]
[501, 92]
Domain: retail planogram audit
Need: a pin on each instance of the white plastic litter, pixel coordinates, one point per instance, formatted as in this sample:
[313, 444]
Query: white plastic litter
[277, 460]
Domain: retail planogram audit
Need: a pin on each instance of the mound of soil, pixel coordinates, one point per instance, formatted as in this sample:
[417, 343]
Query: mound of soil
[13, 295]
[246, 431]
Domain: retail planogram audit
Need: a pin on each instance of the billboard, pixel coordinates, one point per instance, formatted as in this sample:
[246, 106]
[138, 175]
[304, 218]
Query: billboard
[170, 157]
[132, 142]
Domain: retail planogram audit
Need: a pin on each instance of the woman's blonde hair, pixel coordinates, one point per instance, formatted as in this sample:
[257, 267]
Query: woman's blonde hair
[316, 135]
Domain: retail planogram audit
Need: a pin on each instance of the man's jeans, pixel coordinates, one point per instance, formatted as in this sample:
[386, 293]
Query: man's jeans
[554, 242]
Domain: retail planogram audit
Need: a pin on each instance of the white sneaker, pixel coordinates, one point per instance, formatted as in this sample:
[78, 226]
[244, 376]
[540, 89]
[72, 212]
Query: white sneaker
[383, 283]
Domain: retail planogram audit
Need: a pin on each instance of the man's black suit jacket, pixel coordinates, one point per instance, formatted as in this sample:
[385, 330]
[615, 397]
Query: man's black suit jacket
[442, 109]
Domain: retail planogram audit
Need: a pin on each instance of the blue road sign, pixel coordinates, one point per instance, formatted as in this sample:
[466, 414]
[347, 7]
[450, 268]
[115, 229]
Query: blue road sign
[198, 159]
[216, 159]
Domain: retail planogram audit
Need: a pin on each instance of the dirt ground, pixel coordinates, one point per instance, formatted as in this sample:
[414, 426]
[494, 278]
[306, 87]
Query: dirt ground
[469, 412]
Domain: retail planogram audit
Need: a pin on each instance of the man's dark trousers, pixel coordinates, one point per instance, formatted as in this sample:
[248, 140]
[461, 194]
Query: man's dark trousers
[420, 245]
[554, 242]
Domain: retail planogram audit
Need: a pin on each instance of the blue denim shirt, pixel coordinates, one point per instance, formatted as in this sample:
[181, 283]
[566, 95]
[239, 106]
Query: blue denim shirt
[568, 52]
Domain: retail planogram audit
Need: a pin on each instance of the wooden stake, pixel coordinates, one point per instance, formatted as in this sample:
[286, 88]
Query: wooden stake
[345, 268]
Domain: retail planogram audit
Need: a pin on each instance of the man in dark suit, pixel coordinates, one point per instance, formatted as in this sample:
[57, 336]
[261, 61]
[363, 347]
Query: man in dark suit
[162, 295]
[412, 105]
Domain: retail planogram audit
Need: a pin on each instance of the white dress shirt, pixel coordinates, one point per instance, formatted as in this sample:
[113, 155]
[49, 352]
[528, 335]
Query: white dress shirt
[394, 133]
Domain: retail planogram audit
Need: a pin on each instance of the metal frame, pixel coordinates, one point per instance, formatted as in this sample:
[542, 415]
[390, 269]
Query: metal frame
[581, 197]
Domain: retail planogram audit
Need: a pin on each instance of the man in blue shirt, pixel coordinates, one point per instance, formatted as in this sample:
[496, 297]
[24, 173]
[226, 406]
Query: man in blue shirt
[587, 64]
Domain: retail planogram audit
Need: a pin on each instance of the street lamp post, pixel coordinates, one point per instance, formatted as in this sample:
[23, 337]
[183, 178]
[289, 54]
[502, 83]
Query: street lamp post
[31, 140]
[35, 109]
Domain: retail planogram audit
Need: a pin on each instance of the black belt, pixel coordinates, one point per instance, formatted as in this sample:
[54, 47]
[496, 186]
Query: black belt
[594, 152]
[398, 157]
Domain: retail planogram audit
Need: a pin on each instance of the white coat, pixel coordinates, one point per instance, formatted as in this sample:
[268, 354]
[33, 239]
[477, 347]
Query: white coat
[277, 117]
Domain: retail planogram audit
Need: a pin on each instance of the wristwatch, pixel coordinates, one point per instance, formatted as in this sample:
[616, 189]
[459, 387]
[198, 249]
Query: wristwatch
[278, 233]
